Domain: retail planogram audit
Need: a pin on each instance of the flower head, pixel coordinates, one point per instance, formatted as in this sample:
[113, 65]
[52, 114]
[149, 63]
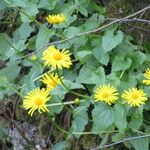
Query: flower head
[106, 93]
[51, 80]
[53, 19]
[147, 76]
[134, 97]
[56, 59]
[36, 99]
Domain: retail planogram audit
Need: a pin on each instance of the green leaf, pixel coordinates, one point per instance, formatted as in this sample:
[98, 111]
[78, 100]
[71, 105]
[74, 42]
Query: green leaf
[99, 53]
[20, 36]
[84, 75]
[140, 144]
[83, 56]
[28, 12]
[98, 8]
[113, 79]
[103, 117]
[63, 145]
[110, 40]
[91, 76]
[83, 11]
[4, 45]
[61, 90]
[126, 46]
[128, 82]
[98, 77]
[117, 137]
[93, 22]
[70, 74]
[22, 33]
[3, 5]
[55, 109]
[10, 72]
[47, 4]
[72, 31]
[28, 80]
[121, 62]
[138, 59]
[19, 3]
[43, 37]
[104, 140]
[80, 119]
[120, 118]
[3, 81]
[136, 121]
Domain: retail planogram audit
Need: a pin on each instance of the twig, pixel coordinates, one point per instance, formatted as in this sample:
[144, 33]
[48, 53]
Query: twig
[124, 140]
[98, 29]
[130, 20]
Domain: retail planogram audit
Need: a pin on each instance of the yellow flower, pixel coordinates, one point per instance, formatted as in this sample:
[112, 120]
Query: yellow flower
[106, 93]
[134, 97]
[55, 58]
[36, 99]
[147, 76]
[53, 19]
[51, 80]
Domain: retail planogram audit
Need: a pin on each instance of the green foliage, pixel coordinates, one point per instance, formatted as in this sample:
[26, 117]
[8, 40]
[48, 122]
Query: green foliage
[120, 118]
[61, 146]
[140, 144]
[43, 37]
[107, 56]
[80, 118]
[111, 39]
[103, 117]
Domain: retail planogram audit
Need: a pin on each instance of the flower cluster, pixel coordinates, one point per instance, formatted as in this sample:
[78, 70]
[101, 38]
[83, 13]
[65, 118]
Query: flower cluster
[133, 96]
[109, 95]
[57, 59]
[37, 98]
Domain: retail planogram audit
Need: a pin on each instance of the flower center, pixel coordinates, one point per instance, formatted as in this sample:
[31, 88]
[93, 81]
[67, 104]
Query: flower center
[134, 96]
[105, 95]
[38, 102]
[57, 56]
[53, 84]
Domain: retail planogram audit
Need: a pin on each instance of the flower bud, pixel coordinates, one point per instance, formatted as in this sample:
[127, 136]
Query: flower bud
[77, 101]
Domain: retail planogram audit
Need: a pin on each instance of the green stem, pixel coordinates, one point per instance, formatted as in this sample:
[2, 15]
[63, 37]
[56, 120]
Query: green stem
[75, 93]
[61, 128]
[87, 133]
[63, 103]
[37, 78]
[73, 108]
[13, 89]
[80, 95]
[121, 74]
[82, 133]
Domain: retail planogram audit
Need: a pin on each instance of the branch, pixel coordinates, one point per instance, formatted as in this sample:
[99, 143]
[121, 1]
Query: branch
[131, 20]
[124, 140]
[98, 29]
